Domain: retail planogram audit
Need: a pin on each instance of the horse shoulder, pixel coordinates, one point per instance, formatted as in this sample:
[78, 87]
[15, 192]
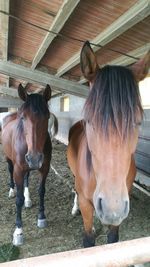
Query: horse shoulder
[85, 179]
[76, 129]
[75, 136]
[77, 159]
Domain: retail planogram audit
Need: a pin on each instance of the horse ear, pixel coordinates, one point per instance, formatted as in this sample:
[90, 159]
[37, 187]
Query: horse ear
[141, 67]
[22, 92]
[47, 93]
[88, 62]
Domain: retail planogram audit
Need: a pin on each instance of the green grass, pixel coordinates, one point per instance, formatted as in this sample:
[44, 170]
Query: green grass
[8, 252]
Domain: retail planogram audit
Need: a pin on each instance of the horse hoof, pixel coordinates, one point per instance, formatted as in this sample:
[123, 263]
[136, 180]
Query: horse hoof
[75, 212]
[18, 237]
[93, 230]
[18, 240]
[12, 193]
[88, 240]
[42, 223]
[28, 204]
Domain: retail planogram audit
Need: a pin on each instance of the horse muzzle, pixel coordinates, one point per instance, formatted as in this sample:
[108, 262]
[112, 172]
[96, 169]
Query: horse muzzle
[111, 214]
[35, 160]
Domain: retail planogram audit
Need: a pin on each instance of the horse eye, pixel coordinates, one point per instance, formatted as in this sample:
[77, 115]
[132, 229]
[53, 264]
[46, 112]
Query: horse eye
[136, 124]
[91, 124]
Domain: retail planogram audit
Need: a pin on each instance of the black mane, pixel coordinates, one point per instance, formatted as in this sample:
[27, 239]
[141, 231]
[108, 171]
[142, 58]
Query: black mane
[114, 100]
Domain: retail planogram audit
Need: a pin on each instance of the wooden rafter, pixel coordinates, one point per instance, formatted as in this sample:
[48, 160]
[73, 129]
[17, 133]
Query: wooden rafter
[12, 92]
[62, 16]
[10, 102]
[8, 91]
[134, 15]
[35, 76]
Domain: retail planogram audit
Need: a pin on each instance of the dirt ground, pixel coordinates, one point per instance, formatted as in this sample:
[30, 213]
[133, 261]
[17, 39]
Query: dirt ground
[64, 232]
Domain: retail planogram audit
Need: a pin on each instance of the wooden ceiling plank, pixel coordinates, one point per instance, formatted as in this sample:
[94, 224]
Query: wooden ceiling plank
[124, 60]
[62, 16]
[18, 71]
[135, 14]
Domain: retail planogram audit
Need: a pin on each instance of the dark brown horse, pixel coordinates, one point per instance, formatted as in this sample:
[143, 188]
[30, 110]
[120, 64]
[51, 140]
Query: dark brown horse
[101, 147]
[27, 146]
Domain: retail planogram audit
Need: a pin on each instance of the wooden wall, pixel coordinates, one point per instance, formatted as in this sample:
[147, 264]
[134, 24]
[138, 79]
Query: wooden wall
[142, 155]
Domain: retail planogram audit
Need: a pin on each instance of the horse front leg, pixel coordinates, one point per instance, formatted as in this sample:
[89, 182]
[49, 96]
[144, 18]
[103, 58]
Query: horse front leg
[75, 210]
[113, 234]
[87, 210]
[41, 223]
[12, 184]
[41, 215]
[18, 233]
[27, 200]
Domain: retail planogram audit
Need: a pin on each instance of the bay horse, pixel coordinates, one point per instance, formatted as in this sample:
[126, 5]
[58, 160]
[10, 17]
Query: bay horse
[101, 147]
[27, 146]
[52, 129]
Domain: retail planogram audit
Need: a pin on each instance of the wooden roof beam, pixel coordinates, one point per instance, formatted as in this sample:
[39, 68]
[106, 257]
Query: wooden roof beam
[62, 16]
[35, 76]
[10, 102]
[8, 91]
[135, 14]
[13, 92]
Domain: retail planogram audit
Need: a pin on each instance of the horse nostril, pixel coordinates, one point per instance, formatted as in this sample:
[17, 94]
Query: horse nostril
[27, 158]
[41, 157]
[100, 204]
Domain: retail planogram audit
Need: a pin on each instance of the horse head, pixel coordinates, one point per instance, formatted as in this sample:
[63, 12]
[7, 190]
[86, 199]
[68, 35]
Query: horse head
[112, 115]
[33, 123]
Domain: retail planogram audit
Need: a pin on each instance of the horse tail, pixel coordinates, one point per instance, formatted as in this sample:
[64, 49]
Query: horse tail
[54, 126]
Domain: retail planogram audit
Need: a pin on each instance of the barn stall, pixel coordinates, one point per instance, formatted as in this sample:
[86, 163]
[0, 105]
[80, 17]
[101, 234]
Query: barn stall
[40, 44]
